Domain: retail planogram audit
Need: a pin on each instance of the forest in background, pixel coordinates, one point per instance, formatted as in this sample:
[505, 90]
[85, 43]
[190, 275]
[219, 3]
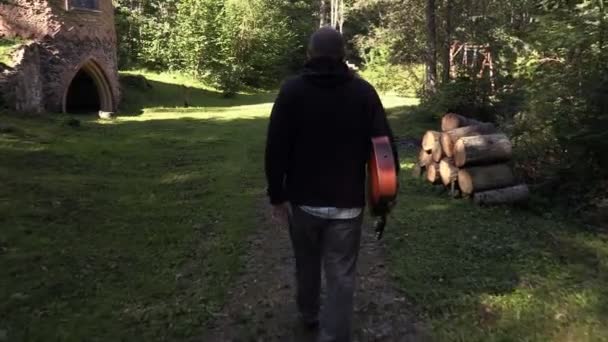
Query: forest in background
[546, 87]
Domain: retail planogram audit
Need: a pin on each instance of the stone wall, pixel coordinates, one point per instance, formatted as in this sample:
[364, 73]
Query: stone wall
[66, 39]
[29, 19]
[37, 19]
[61, 60]
[22, 86]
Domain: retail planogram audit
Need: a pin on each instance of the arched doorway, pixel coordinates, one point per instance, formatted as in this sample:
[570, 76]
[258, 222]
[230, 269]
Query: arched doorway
[89, 91]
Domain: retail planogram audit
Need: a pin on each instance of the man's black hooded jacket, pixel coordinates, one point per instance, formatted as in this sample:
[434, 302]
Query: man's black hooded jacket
[319, 137]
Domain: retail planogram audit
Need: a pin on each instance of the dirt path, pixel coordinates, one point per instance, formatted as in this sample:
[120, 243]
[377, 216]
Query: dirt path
[261, 305]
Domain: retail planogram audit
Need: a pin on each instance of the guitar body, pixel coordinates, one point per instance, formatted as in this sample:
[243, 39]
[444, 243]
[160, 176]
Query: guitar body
[382, 176]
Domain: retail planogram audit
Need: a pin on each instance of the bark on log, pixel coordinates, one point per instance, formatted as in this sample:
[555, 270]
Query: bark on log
[437, 152]
[429, 140]
[432, 173]
[482, 149]
[514, 194]
[482, 178]
[448, 139]
[452, 121]
[448, 171]
[424, 158]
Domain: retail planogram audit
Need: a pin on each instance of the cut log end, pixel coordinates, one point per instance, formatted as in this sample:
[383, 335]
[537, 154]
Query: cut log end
[448, 171]
[460, 154]
[447, 145]
[424, 158]
[432, 173]
[429, 140]
[465, 183]
[437, 152]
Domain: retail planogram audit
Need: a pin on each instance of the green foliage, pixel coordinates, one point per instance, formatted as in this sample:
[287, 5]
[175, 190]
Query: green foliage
[228, 43]
[551, 77]
[7, 47]
[388, 77]
[394, 26]
[465, 95]
[564, 72]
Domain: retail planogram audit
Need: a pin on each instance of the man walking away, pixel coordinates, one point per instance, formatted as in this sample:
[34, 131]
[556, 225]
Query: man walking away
[319, 142]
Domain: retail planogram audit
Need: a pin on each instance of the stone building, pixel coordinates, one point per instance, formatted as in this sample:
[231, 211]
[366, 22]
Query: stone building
[68, 62]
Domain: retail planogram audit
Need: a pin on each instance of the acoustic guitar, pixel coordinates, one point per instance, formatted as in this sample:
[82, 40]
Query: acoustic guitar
[383, 184]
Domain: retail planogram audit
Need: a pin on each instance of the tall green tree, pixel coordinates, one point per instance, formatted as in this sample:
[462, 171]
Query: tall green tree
[430, 86]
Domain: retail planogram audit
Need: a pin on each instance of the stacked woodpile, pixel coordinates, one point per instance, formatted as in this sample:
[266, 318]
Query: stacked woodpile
[471, 158]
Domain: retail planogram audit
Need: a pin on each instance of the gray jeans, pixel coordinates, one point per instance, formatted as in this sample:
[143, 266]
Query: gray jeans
[334, 244]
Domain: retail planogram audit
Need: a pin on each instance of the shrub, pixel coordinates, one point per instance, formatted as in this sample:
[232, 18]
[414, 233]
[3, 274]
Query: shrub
[388, 77]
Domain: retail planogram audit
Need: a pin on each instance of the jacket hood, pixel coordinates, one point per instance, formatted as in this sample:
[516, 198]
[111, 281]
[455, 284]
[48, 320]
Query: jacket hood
[326, 72]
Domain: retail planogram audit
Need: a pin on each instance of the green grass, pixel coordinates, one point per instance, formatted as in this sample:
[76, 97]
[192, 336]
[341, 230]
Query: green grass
[7, 47]
[497, 274]
[132, 230]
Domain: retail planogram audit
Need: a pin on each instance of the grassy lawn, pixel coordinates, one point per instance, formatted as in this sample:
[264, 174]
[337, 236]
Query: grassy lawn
[496, 274]
[132, 230]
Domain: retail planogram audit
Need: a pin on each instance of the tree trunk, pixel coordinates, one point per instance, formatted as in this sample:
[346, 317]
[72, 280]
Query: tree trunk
[430, 139]
[447, 65]
[482, 149]
[323, 13]
[432, 173]
[437, 152]
[424, 158]
[514, 194]
[481, 178]
[431, 43]
[448, 171]
[452, 121]
[448, 139]
[341, 20]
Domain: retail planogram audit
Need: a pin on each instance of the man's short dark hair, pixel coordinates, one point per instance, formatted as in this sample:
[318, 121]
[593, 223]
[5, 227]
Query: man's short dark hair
[326, 42]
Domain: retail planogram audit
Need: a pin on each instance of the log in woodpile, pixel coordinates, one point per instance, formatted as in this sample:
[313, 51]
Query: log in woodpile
[482, 149]
[432, 173]
[448, 171]
[470, 156]
[437, 152]
[482, 178]
[429, 140]
[452, 121]
[424, 158]
[509, 195]
[448, 139]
